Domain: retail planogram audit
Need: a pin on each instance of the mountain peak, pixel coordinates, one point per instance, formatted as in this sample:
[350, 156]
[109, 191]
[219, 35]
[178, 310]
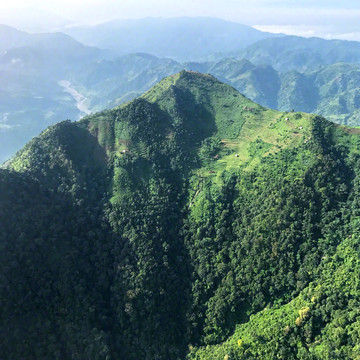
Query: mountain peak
[184, 78]
[200, 107]
[187, 109]
[196, 75]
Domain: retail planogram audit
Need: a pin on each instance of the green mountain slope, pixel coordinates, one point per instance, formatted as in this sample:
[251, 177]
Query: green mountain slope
[163, 228]
[321, 323]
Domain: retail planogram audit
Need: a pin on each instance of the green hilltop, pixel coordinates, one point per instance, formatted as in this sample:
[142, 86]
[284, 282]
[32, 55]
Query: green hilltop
[187, 223]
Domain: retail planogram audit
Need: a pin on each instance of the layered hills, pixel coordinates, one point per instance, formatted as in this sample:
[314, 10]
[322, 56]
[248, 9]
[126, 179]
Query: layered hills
[331, 90]
[48, 77]
[297, 53]
[180, 38]
[187, 223]
[31, 66]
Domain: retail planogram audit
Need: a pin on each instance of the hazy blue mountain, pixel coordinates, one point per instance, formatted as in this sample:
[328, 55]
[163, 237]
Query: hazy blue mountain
[31, 66]
[32, 19]
[11, 37]
[58, 43]
[37, 52]
[183, 38]
[109, 83]
[293, 52]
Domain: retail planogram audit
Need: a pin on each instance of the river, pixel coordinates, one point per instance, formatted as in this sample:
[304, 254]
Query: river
[79, 98]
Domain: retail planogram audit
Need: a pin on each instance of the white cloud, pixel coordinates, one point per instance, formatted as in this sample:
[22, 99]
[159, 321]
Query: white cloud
[355, 36]
[301, 17]
[326, 32]
[299, 30]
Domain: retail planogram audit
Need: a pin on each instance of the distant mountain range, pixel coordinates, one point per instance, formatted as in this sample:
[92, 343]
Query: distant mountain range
[296, 53]
[331, 90]
[30, 98]
[281, 72]
[55, 44]
[182, 38]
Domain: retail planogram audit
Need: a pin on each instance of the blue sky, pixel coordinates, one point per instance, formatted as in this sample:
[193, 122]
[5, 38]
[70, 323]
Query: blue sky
[329, 19]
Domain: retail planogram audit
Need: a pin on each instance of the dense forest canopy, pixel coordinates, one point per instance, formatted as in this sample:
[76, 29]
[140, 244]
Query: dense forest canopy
[187, 223]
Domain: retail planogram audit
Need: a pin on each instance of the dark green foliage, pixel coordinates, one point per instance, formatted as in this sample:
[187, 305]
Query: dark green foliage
[54, 289]
[137, 234]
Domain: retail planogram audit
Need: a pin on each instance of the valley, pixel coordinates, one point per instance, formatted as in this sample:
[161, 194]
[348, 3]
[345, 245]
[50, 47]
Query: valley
[80, 99]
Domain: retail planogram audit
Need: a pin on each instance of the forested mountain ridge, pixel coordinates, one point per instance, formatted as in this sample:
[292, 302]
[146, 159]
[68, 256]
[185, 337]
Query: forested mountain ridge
[164, 225]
